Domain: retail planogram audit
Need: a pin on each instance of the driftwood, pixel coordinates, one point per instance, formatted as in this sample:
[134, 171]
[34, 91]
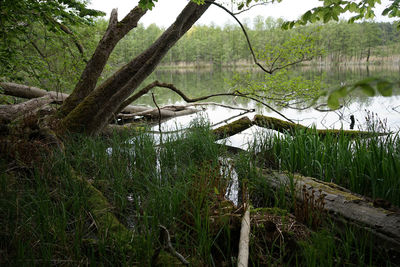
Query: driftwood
[243, 256]
[344, 206]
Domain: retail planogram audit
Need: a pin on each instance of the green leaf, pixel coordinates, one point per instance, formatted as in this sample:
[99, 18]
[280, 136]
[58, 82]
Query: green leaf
[306, 17]
[367, 89]
[342, 91]
[353, 7]
[385, 88]
[327, 16]
[333, 100]
[216, 191]
[386, 11]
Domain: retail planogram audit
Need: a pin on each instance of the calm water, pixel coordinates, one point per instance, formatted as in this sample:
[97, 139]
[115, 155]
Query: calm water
[205, 82]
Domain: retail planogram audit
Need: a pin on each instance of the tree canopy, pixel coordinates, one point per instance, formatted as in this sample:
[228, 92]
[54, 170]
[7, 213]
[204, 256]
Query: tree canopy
[17, 17]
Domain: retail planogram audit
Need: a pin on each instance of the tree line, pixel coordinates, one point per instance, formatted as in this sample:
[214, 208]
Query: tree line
[46, 59]
[340, 42]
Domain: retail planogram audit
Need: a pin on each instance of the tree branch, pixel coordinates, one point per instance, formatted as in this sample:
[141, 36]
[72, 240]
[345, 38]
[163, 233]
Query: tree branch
[245, 34]
[190, 100]
[250, 7]
[150, 86]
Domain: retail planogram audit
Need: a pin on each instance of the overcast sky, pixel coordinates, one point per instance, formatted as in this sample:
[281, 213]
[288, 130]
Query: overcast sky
[166, 11]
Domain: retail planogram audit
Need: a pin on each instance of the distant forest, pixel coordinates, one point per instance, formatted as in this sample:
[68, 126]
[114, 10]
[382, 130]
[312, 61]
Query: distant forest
[340, 42]
[50, 61]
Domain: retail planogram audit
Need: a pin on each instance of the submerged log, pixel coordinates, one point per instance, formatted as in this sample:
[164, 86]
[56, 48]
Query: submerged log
[291, 128]
[343, 205]
[282, 126]
[233, 128]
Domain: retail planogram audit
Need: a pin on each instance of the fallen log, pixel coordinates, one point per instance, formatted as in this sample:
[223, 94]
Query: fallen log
[291, 128]
[29, 92]
[165, 112]
[9, 113]
[282, 126]
[343, 205]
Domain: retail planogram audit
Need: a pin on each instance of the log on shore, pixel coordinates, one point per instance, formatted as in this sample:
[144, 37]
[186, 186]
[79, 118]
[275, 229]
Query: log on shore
[30, 92]
[9, 113]
[165, 112]
[344, 206]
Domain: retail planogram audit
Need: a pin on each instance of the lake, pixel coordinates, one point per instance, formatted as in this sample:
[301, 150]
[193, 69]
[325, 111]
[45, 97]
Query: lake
[200, 82]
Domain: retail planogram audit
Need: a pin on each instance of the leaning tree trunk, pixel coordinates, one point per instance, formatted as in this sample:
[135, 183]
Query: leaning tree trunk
[96, 110]
[114, 33]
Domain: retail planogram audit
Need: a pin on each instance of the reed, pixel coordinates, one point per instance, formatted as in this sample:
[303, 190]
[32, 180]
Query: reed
[46, 214]
[368, 166]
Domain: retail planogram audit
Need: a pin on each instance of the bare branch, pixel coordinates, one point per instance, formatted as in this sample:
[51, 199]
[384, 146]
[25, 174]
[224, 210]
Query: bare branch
[245, 34]
[250, 7]
[159, 114]
[68, 31]
[150, 86]
[170, 247]
[190, 100]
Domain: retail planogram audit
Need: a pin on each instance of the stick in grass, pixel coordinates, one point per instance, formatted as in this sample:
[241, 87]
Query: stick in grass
[243, 257]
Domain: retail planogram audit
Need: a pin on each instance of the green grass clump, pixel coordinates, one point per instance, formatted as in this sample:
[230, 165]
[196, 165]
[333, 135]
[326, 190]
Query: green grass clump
[368, 166]
[47, 218]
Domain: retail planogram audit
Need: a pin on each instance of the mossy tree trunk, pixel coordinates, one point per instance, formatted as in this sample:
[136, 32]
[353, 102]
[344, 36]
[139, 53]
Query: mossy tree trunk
[90, 110]
[116, 30]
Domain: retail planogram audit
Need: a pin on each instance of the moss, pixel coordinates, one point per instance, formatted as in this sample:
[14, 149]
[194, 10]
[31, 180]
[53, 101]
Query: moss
[233, 128]
[78, 119]
[330, 188]
[288, 127]
[276, 124]
[108, 225]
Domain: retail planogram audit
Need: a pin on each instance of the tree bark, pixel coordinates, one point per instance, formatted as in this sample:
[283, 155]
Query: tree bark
[343, 205]
[23, 91]
[285, 127]
[9, 113]
[114, 33]
[95, 111]
[243, 256]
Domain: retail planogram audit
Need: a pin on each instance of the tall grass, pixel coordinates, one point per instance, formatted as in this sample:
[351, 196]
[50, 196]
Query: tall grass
[368, 166]
[46, 214]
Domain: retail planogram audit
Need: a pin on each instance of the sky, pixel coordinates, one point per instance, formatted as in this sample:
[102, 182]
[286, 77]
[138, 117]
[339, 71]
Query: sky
[165, 11]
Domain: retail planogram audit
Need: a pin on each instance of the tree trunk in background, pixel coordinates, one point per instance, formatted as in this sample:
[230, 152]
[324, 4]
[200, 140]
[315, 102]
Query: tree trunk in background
[95, 111]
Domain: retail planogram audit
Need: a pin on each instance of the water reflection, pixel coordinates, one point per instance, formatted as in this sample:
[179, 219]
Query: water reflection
[204, 82]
